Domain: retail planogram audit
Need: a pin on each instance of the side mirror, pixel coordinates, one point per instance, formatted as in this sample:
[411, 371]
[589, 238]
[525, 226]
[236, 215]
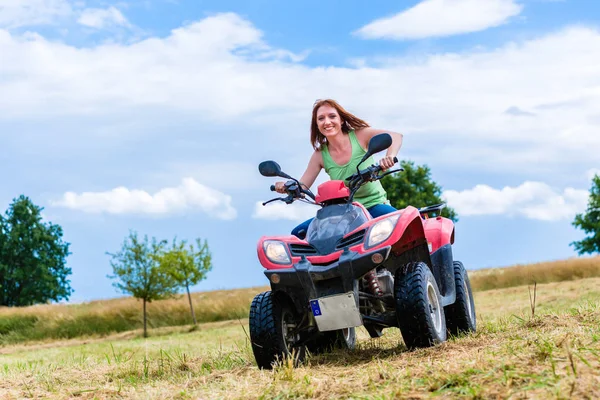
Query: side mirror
[269, 168]
[379, 143]
[376, 144]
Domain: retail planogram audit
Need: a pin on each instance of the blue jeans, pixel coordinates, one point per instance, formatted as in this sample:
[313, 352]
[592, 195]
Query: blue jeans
[376, 211]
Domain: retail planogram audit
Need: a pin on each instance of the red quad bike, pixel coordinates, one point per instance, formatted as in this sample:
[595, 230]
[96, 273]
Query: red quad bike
[396, 270]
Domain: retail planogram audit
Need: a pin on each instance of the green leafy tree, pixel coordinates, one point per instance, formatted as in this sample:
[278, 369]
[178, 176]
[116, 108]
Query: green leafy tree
[414, 187]
[32, 257]
[138, 271]
[589, 222]
[188, 265]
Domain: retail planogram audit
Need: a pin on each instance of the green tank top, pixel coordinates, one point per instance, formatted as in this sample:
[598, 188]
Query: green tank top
[369, 194]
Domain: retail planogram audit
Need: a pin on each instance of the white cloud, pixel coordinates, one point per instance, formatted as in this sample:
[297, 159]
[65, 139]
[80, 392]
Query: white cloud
[101, 18]
[18, 13]
[434, 18]
[231, 175]
[592, 172]
[216, 66]
[188, 196]
[516, 111]
[220, 69]
[534, 200]
[296, 211]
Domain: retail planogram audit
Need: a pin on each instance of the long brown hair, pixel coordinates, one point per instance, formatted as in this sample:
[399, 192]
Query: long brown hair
[348, 122]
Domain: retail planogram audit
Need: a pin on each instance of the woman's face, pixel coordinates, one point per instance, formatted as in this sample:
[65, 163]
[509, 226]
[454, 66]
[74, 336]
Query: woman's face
[328, 121]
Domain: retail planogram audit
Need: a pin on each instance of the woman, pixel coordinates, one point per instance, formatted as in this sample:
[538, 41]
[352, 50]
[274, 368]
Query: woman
[340, 139]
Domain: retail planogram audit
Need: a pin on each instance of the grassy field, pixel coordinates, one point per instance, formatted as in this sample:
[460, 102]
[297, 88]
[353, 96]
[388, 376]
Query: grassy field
[552, 352]
[106, 317]
[101, 318]
[544, 272]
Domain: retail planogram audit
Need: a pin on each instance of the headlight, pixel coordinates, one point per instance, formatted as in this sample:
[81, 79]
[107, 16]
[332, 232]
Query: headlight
[382, 230]
[276, 252]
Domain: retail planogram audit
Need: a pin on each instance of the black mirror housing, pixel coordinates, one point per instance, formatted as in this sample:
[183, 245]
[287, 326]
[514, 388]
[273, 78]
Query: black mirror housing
[269, 168]
[379, 143]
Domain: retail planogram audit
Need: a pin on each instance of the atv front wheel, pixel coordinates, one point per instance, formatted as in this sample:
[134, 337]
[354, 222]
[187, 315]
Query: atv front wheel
[460, 316]
[272, 331]
[330, 340]
[418, 306]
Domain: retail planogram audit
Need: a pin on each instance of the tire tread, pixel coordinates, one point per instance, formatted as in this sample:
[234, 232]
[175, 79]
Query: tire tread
[412, 306]
[457, 319]
[267, 342]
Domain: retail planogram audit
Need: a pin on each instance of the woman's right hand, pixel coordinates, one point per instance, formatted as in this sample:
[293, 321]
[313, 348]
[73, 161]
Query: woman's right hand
[280, 187]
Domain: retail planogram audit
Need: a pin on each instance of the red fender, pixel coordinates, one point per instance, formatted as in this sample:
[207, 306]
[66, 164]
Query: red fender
[439, 232]
[411, 231]
[287, 240]
[268, 264]
[408, 233]
[315, 259]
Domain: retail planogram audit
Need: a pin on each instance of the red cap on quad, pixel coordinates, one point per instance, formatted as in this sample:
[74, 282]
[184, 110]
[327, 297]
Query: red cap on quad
[332, 190]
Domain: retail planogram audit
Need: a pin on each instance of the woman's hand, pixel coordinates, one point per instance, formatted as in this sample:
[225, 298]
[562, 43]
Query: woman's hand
[386, 162]
[280, 187]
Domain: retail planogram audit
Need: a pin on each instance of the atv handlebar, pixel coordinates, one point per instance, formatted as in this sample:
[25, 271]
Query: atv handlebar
[369, 174]
[295, 191]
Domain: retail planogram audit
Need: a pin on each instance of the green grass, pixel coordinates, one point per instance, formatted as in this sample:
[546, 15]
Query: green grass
[554, 353]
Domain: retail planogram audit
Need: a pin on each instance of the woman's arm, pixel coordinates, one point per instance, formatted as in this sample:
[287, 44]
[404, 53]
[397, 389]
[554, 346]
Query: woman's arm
[310, 175]
[365, 134]
[312, 170]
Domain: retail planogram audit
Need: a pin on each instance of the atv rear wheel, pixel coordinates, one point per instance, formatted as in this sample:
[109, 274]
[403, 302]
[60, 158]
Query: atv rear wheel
[460, 316]
[330, 340]
[419, 311]
[272, 331]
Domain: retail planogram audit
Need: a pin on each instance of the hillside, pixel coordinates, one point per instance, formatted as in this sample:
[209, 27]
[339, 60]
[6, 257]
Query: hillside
[105, 317]
[553, 352]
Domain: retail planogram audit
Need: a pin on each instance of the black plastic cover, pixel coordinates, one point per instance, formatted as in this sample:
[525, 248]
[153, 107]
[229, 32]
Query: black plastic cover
[331, 224]
[443, 271]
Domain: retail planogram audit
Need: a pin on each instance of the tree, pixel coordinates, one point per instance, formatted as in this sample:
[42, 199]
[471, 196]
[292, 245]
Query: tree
[32, 257]
[139, 271]
[589, 222]
[414, 187]
[188, 265]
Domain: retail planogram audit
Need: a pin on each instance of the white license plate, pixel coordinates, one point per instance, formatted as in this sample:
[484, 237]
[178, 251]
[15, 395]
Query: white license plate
[336, 312]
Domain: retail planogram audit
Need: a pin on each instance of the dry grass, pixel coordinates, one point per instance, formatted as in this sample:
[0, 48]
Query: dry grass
[554, 271]
[555, 354]
[102, 318]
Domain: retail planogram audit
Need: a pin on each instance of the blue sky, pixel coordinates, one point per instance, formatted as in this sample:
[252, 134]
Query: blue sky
[153, 116]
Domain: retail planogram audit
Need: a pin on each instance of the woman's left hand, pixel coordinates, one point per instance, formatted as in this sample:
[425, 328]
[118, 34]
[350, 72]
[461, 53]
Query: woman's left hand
[386, 162]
